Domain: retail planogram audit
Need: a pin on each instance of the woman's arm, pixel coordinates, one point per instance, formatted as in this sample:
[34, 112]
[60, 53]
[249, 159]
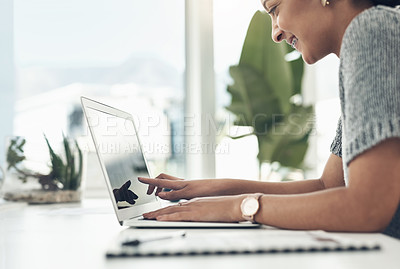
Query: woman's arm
[332, 177]
[366, 205]
[188, 189]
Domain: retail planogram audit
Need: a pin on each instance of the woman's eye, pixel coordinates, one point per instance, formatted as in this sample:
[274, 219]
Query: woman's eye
[272, 11]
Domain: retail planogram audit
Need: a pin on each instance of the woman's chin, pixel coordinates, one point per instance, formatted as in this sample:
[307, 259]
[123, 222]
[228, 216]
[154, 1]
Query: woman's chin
[308, 59]
[312, 58]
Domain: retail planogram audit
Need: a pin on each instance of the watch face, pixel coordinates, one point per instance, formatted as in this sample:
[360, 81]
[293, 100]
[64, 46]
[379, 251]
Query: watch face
[250, 206]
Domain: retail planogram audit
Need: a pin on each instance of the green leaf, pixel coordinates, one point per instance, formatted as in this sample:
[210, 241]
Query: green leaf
[287, 143]
[297, 67]
[265, 56]
[75, 176]
[263, 84]
[79, 174]
[58, 167]
[252, 100]
[15, 152]
[70, 164]
[20, 143]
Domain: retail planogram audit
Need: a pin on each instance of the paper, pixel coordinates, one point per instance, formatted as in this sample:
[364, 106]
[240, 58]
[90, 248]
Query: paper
[243, 242]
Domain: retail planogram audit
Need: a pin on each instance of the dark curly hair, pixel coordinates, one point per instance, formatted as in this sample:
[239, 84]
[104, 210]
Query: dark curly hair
[390, 3]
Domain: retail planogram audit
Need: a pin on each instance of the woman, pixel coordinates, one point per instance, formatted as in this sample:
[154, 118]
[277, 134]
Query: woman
[359, 190]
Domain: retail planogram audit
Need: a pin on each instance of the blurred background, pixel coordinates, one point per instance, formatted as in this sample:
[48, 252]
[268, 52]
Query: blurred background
[166, 62]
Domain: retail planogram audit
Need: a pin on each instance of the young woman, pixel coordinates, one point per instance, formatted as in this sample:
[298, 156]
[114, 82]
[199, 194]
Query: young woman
[359, 190]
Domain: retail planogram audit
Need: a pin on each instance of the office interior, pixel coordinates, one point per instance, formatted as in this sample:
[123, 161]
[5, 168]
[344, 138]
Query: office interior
[119, 55]
[166, 63]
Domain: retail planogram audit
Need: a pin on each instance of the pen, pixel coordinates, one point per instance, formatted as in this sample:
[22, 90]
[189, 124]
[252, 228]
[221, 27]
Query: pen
[136, 242]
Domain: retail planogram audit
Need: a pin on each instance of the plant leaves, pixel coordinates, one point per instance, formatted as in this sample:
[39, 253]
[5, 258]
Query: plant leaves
[58, 167]
[15, 152]
[78, 176]
[252, 100]
[267, 57]
[287, 143]
[297, 67]
[69, 167]
[263, 84]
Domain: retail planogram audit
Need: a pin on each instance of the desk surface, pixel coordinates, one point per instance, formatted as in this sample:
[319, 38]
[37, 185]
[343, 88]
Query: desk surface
[78, 235]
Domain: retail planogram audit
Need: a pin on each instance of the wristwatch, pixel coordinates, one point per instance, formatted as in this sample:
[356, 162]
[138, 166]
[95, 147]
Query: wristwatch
[250, 206]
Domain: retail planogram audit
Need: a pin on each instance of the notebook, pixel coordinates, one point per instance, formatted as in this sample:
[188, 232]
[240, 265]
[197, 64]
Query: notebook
[122, 161]
[261, 241]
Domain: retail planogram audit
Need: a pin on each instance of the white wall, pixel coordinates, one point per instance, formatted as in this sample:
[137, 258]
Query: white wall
[7, 90]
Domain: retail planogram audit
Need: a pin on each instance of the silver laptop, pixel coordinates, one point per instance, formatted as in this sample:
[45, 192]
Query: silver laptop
[122, 161]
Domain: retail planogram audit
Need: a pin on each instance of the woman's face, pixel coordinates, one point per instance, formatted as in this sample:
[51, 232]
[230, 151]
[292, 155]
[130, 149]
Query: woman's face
[304, 24]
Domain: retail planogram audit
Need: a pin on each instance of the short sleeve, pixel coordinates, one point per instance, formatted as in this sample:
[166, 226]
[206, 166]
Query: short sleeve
[371, 80]
[336, 146]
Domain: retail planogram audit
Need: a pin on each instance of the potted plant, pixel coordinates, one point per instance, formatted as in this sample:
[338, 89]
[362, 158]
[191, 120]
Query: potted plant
[61, 184]
[264, 95]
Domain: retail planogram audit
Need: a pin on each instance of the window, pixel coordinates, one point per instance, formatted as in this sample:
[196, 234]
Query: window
[234, 158]
[131, 54]
[126, 53]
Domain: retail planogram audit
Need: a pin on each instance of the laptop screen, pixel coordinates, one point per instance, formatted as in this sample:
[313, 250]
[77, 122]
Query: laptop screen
[119, 149]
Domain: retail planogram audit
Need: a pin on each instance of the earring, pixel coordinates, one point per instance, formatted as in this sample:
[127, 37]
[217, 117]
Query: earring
[324, 2]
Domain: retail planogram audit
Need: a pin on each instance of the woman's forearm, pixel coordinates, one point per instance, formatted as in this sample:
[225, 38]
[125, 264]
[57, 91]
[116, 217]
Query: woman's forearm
[238, 186]
[331, 210]
[332, 176]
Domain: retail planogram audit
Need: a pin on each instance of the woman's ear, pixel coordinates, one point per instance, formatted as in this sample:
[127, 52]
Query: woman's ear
[324, 2]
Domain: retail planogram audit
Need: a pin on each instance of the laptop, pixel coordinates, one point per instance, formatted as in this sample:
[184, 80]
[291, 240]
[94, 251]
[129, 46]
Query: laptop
[122, 161]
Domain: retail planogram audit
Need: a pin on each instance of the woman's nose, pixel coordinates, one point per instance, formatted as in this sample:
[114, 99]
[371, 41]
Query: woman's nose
[277, 35]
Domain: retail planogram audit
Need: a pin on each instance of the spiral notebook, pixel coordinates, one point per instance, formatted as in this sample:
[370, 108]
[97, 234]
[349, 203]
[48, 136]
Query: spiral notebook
[240, 242]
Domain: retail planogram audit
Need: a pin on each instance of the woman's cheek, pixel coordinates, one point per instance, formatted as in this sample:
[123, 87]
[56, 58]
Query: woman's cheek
[282, 22]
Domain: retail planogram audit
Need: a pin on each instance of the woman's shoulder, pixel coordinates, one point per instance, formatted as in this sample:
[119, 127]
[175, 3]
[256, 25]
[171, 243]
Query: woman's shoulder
[382, 10]
[377, 15]
[373, 26]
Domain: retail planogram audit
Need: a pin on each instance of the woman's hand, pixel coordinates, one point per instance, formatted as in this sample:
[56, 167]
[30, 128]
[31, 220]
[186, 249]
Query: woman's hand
[156, 183]
[215, 209]
[182, 189]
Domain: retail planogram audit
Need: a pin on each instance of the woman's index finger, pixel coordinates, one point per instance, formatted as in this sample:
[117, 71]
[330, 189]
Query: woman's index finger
[162, 183]
[165, 176]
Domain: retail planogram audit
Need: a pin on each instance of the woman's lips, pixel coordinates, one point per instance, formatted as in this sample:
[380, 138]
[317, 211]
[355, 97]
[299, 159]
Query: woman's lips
[294, 42]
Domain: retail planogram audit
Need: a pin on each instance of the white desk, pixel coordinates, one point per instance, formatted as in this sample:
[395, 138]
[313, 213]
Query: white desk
[77, 236]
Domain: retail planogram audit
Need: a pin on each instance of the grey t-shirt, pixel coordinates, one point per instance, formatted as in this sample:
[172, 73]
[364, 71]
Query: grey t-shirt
[369, 87]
